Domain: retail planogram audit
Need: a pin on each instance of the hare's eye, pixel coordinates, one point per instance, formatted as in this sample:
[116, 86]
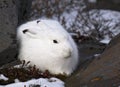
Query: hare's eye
[24, 31]
[55, 41]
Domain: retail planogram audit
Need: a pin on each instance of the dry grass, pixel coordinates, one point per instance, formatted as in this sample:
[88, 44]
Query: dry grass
[24, 73]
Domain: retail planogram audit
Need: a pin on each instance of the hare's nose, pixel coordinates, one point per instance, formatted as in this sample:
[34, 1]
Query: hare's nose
[69, 53]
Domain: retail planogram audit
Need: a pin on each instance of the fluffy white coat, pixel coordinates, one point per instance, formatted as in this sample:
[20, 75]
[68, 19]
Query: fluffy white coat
[46, 44]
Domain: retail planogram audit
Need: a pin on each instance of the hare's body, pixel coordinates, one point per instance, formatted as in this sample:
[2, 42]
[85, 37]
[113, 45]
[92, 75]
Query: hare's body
[48, 46]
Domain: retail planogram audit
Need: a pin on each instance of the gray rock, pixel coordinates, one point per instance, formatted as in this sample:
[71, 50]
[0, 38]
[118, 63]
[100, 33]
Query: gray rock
[88, 49]
[8, 22]
[116, 1]
[12, 13]
[113, 41]
[99, 72]
[23, 9]
[8, 55]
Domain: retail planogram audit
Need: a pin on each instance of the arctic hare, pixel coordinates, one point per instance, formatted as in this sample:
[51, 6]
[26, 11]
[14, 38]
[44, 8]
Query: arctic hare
[46, 44]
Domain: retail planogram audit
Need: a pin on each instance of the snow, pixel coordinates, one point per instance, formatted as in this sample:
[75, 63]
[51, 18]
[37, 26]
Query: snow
[2, 77]
[105, 41]
[16, 80]
[43, 82]
[96, 55]
[69, 17]
[113, 18]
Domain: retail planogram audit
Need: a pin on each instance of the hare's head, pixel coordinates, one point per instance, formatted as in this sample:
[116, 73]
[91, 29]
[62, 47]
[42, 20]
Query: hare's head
[49, 36]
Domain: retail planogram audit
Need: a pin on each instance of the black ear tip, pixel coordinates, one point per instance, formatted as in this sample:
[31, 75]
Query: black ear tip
[38, 21]
[24, 31]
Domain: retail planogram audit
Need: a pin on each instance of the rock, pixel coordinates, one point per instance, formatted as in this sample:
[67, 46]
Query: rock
[12, 13]
[103, 71]
[114, 41]
[8, 55]
[88, 49]
[24, 9]
[8, 23]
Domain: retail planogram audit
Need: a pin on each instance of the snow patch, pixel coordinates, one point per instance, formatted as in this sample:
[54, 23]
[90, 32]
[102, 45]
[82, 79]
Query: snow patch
[2, 77]
[96, 55]
[105, 41]
[16, 80]
[43, 82]
[69, 17]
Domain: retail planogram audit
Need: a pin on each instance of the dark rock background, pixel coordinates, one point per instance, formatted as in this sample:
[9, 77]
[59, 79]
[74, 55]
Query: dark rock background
[105, 4]
[8, 22]
[12, 13]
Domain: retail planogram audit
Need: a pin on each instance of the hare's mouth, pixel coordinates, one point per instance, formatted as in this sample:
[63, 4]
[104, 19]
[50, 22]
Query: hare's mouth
[68, 56]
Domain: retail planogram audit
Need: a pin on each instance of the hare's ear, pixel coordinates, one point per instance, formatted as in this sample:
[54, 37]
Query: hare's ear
[30, 33]
[38, 21]
[25, 31]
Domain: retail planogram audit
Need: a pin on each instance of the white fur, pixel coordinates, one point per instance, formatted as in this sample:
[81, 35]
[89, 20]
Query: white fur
[36, 46]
